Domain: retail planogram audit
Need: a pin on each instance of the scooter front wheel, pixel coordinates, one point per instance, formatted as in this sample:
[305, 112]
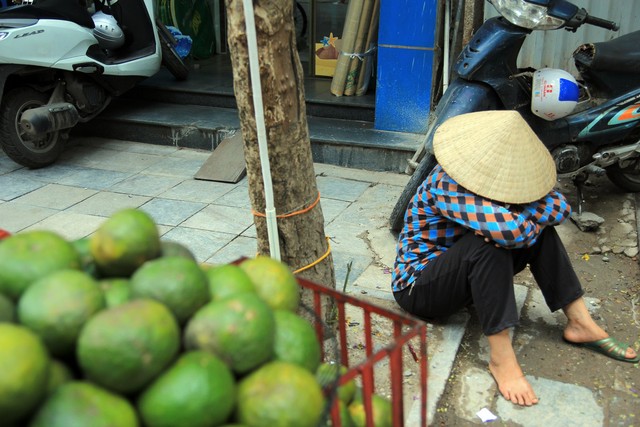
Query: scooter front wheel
[22, 148]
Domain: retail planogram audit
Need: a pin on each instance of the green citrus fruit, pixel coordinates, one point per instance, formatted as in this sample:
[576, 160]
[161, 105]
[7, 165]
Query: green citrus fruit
[228, 279]
[58, 374]
[199, 390]
[28, 256]
[124, 242]
[24, 372]
[125, 347]
[239, 329]
[116, 290]
[177, 282]
[79, 403]
[83, 247]
[170, 248]
[57, 306]
[296, 341]
[280, 394]
[274, 282]
[382, 411]
[7, 310]
[328, 375]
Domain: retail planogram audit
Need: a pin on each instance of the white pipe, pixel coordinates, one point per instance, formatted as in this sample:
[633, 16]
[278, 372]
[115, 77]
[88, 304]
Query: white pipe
[254, 67]
[445, 61]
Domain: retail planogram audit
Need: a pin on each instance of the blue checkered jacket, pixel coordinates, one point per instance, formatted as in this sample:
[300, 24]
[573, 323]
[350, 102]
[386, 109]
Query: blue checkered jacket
[442, 211]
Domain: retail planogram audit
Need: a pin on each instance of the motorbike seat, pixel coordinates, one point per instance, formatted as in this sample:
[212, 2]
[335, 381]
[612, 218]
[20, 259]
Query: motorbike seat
[621, 54]
[65, 10]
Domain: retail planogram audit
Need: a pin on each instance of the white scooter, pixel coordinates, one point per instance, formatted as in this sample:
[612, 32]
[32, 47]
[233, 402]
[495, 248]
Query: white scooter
[61, 65]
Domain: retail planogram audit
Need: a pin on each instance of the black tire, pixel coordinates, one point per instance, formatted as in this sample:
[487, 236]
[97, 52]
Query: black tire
[19, 146]
[448, 106]
[170, 57]
[628, 178]
[396, 220]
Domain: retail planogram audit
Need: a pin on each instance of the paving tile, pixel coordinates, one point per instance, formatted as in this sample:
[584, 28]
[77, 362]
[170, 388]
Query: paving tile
[69, 225]
[171, 212]
[371, 209]
[56, 196]
[107, 203]
[122, 145]
[146, 185]
[250, 232]
[396, 179]
[237, 248]
[116, 160]
[239, 197]
[227, 219]
[177, 166]
[195, 190]
[51, 174]
[12, 187]
[97, 179]
[375, 280]
[7, 165]
[16, 217]
[202, 243]
[340, 189]
[331, 208]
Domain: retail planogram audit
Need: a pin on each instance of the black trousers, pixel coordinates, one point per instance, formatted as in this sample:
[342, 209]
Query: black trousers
[475, 272]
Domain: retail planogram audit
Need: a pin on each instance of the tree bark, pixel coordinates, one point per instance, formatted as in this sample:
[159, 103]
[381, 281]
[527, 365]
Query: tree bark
[301, 236]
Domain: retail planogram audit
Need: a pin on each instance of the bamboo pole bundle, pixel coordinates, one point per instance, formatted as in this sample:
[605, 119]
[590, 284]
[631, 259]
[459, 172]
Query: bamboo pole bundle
[356, 60]
[367, 63]
[354, 11]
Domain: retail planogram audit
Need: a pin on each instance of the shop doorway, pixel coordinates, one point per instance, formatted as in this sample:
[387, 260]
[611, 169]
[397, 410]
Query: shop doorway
[317, 22]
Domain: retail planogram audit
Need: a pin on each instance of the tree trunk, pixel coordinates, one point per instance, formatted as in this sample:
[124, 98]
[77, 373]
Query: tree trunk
[301, 236]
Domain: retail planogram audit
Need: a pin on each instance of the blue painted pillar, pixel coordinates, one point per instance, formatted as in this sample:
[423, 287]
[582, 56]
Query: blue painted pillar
[406, 40]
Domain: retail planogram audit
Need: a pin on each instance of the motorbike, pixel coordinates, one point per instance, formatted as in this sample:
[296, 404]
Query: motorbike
[62, 62]
[592, 124]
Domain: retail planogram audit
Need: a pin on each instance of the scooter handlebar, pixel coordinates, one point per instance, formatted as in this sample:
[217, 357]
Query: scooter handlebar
[602, 23]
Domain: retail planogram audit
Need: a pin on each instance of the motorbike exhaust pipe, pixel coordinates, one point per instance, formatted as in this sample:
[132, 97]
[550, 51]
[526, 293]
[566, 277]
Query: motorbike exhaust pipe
[49, 118]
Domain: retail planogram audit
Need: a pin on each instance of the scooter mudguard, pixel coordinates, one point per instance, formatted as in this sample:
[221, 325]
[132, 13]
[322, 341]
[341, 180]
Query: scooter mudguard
[5, 71]
[462, 97]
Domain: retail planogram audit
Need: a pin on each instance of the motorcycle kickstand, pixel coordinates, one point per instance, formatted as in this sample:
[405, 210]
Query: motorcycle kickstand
[578, 182]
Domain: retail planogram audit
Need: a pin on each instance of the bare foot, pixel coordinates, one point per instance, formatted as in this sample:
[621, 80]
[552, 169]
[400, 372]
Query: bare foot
[581, 327]
[513, 385]
[507, 372]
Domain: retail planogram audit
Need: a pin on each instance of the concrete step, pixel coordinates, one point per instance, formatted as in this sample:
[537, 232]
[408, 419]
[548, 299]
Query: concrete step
[347, 143]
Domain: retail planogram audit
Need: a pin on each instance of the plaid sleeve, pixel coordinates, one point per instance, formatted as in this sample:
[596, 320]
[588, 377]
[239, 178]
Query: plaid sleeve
[550, 210]
[508, 229]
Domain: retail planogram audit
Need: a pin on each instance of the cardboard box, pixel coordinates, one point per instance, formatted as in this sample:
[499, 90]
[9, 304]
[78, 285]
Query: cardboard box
[326, 55]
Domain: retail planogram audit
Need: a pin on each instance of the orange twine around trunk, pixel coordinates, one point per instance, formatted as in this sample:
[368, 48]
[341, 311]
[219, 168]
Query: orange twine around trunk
[298, 212]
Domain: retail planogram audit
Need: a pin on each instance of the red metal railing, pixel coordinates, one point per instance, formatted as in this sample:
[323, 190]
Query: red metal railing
[405, 329]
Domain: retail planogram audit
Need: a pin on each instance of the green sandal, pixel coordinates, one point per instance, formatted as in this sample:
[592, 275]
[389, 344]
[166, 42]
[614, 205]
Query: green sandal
[609, 347]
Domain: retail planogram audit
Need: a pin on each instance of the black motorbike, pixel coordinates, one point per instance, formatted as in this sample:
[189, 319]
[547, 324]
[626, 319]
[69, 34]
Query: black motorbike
[600, 135]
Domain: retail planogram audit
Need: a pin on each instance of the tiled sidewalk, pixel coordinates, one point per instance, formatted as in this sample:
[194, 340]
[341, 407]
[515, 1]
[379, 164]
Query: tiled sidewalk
[96, 177]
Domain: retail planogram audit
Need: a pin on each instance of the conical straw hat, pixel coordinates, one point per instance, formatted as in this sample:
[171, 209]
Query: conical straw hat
[495, 154]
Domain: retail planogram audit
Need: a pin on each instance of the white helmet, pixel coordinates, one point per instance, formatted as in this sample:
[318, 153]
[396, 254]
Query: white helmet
[107, 31]
[554, 93]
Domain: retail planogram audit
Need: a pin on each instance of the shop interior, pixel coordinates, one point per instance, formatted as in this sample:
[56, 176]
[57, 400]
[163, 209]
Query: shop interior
[319, 26]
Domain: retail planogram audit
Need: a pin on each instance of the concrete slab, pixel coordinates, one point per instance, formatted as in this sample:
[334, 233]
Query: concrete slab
[565, 404]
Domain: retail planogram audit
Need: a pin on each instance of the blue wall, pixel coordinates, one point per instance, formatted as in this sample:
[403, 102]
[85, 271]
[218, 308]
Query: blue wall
[406, 41]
